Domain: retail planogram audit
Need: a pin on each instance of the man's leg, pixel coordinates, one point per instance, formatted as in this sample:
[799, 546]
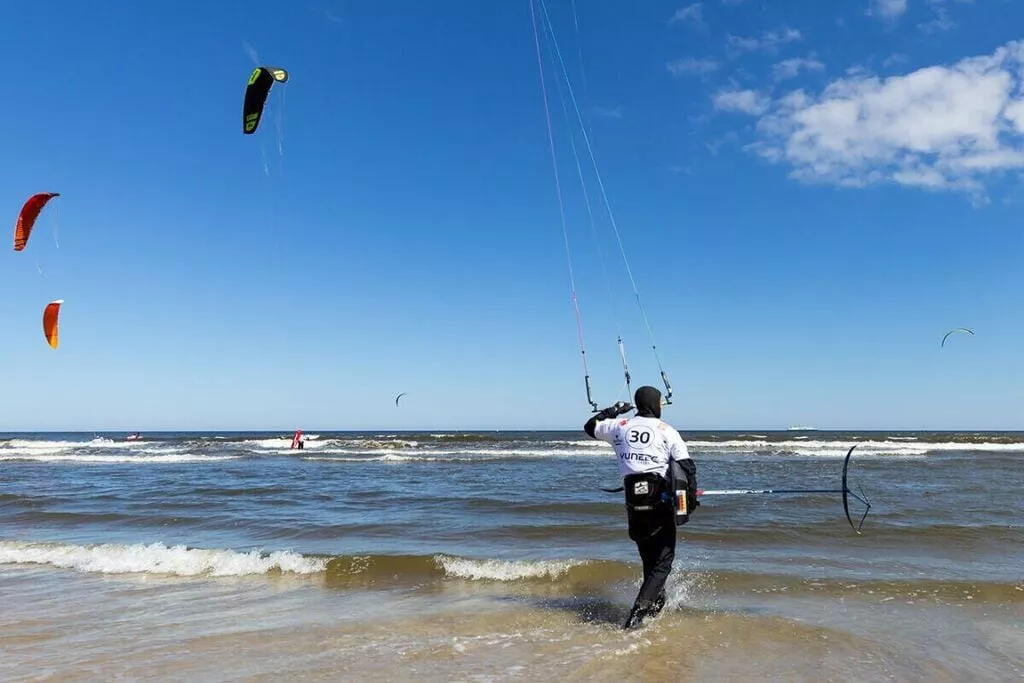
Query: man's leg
[657, 553]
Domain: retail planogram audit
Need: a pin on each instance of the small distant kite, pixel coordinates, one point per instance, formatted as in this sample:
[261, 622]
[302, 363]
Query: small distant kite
[954, 331]
[27, 218]
[262, 78]
[398, 397]
[50, 315]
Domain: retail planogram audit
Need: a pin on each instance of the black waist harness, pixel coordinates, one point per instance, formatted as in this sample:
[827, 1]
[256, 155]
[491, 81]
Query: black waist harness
[651, 499]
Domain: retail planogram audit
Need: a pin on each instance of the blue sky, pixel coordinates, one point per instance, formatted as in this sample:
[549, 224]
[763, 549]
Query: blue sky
[799, 263]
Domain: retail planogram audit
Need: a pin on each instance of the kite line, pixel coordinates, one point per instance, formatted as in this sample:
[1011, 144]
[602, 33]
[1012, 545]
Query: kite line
[562, 77]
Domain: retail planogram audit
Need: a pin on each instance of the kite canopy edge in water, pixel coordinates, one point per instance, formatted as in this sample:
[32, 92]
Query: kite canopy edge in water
[27, 217]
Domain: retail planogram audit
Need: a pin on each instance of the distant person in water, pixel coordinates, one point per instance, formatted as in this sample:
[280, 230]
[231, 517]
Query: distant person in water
[656, 472]
[298, 441]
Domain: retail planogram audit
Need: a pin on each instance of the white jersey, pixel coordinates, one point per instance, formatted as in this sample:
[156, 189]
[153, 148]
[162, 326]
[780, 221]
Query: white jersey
[642, 444]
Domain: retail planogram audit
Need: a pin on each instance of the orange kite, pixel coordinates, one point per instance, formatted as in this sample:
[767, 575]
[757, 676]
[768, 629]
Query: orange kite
[50, 315]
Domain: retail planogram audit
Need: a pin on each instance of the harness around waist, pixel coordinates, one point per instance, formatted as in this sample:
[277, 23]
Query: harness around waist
[645, 491]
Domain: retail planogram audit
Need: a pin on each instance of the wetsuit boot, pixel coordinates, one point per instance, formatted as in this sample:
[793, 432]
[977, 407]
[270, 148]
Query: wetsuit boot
[643, 609]
[636, 617]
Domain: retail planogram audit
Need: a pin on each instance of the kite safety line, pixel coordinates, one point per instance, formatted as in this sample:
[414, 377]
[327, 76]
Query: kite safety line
[56, 225]
[560, 65]
[593, 232]
[844, 489]
[579, 55]
[561, 211]
[279, 125]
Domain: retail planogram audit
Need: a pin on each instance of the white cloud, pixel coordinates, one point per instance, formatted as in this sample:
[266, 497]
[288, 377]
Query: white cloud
[691, 14]
[768, 42]
[738, 44]
[680, 67]
[333, 18]
[940, 24]
[791, 68]
[742, 101]
[887, 9]
[1015, 112]
[940, 127]
[608, 112]
[895, 59]
[730, 138]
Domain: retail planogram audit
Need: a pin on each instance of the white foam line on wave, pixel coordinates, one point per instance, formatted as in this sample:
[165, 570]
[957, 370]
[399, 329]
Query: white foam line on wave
[504, 570]
[284, 445]
[48, 446]
[910, 448]
[156, 558]
[391, 457]
[11, 453]
[147, 459]
[463, 453]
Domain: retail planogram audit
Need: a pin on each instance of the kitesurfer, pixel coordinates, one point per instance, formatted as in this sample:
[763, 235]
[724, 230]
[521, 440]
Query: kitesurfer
[660, 483]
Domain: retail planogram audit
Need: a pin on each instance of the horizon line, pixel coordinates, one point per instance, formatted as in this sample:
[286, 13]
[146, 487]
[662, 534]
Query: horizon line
[289, 430]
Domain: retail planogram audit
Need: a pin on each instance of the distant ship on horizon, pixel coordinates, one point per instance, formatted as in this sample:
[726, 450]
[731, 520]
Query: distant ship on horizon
[801, 429]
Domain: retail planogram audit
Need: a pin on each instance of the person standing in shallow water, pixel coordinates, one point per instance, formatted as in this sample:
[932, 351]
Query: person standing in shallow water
[654, 464]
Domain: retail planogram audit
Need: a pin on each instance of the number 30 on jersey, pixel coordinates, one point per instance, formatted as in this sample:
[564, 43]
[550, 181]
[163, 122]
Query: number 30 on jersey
[639, 436]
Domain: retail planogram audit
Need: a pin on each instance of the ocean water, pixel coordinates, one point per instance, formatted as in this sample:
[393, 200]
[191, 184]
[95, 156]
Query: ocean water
[495, 556]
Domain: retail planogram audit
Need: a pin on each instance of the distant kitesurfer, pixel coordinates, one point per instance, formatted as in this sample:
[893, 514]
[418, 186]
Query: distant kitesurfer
[660, 483]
